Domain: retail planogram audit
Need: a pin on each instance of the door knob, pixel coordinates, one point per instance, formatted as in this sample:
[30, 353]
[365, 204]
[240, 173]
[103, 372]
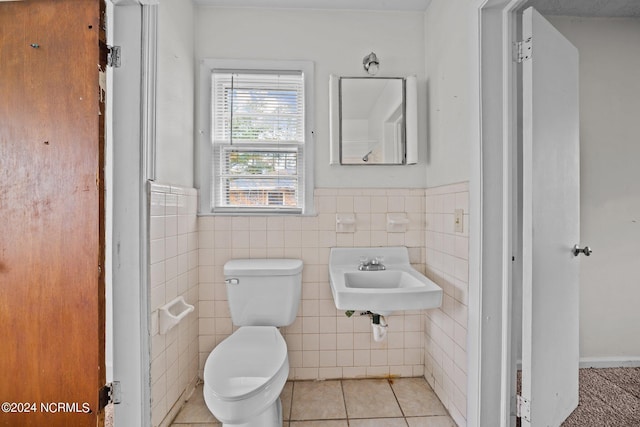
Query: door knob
[586, 250]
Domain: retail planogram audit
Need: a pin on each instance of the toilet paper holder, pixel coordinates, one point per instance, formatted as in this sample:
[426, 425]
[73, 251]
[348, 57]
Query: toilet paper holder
[169, 315]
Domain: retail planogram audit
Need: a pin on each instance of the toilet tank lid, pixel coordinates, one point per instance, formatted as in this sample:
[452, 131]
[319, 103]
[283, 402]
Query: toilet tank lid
[263, 267]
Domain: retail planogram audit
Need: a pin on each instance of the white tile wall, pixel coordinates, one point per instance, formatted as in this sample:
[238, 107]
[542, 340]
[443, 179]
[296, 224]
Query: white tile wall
[445, 332]
[322, 342]
[173, 272]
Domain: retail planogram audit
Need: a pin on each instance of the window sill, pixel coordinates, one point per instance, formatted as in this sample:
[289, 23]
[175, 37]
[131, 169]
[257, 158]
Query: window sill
[263, 213]
[230, 211]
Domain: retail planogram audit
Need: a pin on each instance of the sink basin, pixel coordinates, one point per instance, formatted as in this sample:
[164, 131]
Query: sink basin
[398, 287]
[388, 279]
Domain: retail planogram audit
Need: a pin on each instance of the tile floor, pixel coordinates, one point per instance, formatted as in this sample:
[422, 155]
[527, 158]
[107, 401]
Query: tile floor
[406, 402]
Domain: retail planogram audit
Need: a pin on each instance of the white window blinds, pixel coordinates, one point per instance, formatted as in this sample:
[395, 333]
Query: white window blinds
[258, 140]
[258, 107]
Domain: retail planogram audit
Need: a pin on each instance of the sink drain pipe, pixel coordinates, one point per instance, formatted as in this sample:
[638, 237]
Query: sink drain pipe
[378, 326]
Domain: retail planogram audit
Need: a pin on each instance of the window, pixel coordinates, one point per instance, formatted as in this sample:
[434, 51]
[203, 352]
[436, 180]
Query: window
[259, 138]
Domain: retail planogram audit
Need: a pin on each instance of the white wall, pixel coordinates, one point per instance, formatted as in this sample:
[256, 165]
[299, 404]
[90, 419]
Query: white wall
[336, 41]
[610, 182]
[172, 213]
[450, 108]
[175, 93]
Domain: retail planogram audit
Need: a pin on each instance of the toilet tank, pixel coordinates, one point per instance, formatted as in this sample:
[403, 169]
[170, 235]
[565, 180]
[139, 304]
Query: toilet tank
[263, 292]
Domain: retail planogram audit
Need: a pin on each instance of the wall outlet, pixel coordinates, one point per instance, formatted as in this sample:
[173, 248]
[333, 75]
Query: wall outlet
[458, 219]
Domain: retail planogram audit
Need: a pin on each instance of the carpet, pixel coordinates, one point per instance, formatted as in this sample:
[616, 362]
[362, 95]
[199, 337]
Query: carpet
[608, 398]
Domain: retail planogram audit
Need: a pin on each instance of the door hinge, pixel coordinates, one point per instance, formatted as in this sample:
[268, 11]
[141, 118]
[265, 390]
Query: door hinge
[523, 408]
[109, 393]
[113, 56]
[522, 50]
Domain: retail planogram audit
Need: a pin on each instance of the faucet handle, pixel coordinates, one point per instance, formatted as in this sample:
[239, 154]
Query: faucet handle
[379, 259]
[364, 263]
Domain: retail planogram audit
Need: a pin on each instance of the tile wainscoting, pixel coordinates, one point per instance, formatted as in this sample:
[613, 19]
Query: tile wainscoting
[447, 255]
[173, 272]
[323, 343]
[187, 254]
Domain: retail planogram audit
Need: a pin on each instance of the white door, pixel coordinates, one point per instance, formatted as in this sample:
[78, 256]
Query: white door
[551, 224]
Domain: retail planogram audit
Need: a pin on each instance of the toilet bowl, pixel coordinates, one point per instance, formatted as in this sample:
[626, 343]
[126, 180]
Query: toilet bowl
[246, 392]
[245, 374]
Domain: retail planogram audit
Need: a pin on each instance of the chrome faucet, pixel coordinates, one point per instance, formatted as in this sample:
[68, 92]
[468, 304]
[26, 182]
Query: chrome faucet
[373, 264]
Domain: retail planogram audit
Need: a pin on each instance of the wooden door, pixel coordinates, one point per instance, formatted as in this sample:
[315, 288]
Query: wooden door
[551, 224]
[51, 213]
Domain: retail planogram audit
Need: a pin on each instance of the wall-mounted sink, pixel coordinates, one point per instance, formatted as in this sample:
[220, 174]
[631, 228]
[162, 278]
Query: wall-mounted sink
[398, 287]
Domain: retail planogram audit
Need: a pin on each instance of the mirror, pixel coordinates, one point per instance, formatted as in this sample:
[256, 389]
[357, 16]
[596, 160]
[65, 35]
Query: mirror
[371, 121]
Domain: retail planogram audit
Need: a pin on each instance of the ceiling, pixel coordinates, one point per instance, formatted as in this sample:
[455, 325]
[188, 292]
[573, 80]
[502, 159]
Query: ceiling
[603, 8]
[590, 8]
[323, 4]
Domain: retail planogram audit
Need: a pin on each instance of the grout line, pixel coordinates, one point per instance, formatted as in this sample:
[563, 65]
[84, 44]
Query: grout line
[293, 388]
[344, 402]
[397, 401]
[404, 416]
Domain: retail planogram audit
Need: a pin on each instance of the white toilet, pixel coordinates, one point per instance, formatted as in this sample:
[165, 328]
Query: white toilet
[244, 375]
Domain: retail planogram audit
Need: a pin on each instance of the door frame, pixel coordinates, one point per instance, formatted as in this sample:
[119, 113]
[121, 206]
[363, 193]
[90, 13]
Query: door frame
[493, 217]
[492, 205]
[131, 162]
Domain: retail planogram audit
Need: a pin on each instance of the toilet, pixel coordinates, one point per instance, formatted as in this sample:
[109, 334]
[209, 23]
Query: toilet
[245, 374]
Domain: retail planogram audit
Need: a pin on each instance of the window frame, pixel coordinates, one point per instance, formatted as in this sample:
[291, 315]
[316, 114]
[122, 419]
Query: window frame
[204, 148]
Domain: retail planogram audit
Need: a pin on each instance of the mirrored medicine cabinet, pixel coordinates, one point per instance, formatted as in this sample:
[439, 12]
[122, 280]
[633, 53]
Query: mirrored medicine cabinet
[373, 120]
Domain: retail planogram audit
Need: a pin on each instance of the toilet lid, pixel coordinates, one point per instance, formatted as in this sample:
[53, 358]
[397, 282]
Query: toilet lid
[245, 362]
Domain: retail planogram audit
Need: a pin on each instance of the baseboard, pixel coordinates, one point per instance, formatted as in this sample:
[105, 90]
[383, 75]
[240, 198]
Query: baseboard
[610, 362]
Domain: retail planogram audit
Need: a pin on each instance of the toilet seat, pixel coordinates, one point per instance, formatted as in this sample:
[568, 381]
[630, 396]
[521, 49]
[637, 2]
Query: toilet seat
[245, 363]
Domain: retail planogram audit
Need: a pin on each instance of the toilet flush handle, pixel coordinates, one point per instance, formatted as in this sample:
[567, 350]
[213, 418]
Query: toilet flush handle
[232, 281]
